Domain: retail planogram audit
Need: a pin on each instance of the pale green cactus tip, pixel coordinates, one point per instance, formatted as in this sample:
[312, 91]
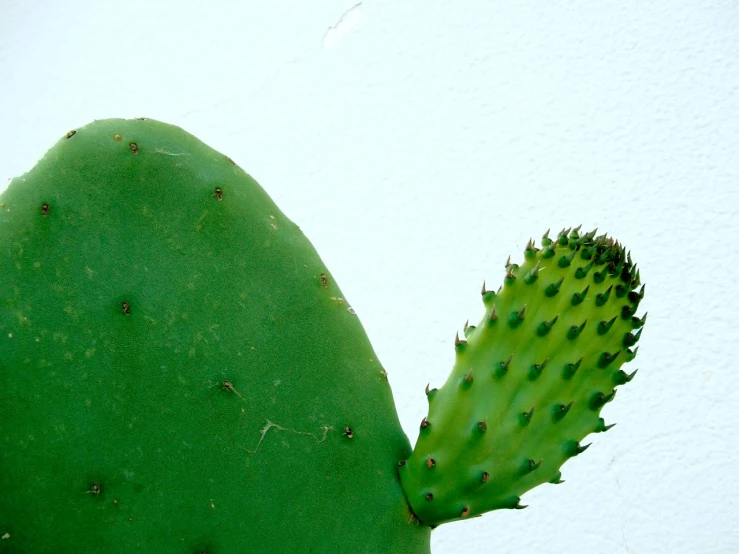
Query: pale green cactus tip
[530, 380]
[181, 373]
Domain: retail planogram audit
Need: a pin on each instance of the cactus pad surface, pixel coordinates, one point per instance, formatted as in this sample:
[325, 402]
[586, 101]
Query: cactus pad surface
[179, 372]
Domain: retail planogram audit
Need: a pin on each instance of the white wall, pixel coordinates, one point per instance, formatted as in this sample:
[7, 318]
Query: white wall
[418, 143]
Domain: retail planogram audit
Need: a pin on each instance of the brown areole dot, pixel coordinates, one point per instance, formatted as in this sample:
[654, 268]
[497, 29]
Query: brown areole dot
[134, 147]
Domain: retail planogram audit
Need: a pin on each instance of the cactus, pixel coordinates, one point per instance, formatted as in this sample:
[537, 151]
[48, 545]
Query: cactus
[179, 371]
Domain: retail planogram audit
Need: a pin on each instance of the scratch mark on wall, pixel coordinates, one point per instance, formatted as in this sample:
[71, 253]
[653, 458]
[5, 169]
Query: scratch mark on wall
[345, 25]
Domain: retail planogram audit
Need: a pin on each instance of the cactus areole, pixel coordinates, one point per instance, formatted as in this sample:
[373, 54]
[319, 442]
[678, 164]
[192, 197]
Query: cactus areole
[180, 373]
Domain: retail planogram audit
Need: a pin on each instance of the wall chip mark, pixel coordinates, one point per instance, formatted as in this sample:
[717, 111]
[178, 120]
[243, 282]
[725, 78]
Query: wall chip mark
[345, 25]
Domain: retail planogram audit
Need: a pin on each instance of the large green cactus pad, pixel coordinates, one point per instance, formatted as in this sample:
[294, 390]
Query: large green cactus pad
[529, 381]
[179, 373]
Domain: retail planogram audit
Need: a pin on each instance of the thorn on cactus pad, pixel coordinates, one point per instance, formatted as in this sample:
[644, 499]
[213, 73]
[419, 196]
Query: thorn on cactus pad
[484, 290]
[565, 261]
[126, 307]
[502, 368]
[601, 426]
[602, 298]
[575, 331]
[134, 147]
[525, 418]
[605, 326]
[570, 369]
[430, 463]
[583, 271]
[468, 378]
[621, 377]
[218, 193]
[493, 317]
[430, 496]
[532, 275]
[324, 281]
[45, 209]
[348, 433]
[95, 489]
[573, 448]
[578, 297]
[560, 410]
[630, 339]
[536, 370]
[636, 322]
[553, 288]
[557, 479]
[465, 511]
[459, 343]
[546, 326]
[401, 463]
[227, 385]
[636, 297]
[599, 399]
[425, 423]
[606, 358]
[530, 465]
[517, 317]
[482, 426]
[485, 477]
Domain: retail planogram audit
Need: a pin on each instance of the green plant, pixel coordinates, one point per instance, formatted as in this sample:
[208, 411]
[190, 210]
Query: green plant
[179, 372]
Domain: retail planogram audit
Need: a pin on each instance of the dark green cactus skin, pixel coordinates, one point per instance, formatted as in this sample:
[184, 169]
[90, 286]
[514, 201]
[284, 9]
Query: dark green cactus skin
[179, 372]
[529, 381]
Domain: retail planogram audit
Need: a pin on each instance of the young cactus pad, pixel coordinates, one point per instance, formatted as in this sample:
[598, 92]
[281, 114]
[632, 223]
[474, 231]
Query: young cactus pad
[180, 373]
[529, 381]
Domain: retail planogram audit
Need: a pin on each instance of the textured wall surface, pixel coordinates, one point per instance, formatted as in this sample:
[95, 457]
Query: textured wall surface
[418, 144]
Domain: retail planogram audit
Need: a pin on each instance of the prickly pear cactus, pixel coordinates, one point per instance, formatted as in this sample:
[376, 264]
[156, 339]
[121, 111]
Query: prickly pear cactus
[179, 372]
[529, 381]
